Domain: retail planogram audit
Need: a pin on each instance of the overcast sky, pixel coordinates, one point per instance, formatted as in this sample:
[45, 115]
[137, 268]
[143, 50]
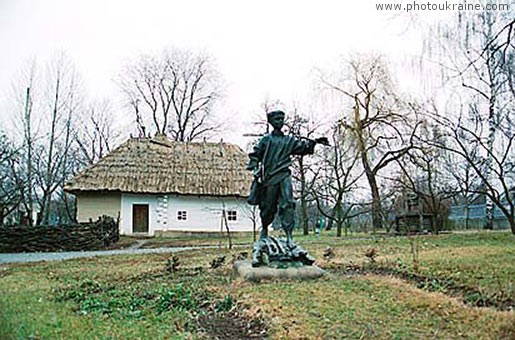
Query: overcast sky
[264, 49]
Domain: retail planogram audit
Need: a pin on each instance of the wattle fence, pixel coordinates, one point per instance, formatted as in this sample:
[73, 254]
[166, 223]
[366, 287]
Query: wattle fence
[78, 237]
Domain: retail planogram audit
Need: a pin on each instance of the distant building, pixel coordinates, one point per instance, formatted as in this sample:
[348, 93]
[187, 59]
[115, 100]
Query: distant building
[473, 215]
[416, 211]
[155, 184]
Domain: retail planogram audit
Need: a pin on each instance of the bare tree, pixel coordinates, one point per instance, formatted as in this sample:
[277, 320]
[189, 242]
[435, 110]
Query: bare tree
[302, 126]
[423, 173]
[47, 102]
[495, 167]
[252, 213]
[336, 177]
[463, 181]
[172, 94]
[476, 53]
[61, 101]
[10, 193]
[96, 133]
[380, 122]
[24, 136]
[54, 137]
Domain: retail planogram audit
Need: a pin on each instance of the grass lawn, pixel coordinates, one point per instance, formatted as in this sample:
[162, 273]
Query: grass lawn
[423, 287]
[221, 239]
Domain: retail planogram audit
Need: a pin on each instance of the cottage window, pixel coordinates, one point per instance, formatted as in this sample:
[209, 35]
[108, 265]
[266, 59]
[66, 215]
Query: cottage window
[182, 215]
[231, 215]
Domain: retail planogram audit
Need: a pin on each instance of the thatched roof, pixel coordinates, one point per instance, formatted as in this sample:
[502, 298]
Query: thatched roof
[159, 165]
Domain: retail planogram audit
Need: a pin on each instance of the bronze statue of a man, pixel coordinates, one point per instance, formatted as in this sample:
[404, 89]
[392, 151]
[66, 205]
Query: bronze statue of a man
[272, 188]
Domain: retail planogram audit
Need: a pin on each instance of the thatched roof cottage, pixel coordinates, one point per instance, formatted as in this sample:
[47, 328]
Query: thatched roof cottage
[155, 184]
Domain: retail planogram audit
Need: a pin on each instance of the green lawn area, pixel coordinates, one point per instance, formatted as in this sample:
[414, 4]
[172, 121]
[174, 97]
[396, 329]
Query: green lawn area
[423, 287]
[217, 239]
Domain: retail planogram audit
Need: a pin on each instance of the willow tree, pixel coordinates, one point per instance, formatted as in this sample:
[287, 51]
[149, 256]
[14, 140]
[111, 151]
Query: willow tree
[380, 122]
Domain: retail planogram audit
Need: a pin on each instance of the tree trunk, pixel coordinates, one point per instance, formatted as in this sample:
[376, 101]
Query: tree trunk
[377, 218]
[71, 216]
[490, 62]
[303, 203]
[28, 140]
[421, 214]
[49, 178]
[338, 219]
[489, 206]
[377, 221]
[467, 213]
[224, 215]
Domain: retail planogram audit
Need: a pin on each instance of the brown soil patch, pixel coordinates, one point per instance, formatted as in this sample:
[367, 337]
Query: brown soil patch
[232, 325]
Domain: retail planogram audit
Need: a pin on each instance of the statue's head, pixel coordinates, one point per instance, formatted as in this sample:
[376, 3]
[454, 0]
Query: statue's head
[276, 119]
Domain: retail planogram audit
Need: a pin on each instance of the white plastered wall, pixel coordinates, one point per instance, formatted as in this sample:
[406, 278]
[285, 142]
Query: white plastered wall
[203, 213]
[92, 205]
[128, 200]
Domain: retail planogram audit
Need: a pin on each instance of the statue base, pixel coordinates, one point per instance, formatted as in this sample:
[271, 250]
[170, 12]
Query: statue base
[277, 271]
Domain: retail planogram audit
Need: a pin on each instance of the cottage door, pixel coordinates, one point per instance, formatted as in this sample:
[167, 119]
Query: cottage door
[140, 218]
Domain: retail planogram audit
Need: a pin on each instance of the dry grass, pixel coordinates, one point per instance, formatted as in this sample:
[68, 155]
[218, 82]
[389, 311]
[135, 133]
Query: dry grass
[369, 307]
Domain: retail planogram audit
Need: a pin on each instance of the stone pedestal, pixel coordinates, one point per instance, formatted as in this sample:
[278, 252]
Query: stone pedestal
[245, 270]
